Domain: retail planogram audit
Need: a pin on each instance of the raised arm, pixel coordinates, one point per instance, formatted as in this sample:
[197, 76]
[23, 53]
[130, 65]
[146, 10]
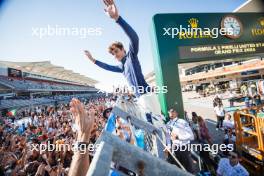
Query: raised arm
[113, 68]
[111, 9]
[85, 121]
[132, 35]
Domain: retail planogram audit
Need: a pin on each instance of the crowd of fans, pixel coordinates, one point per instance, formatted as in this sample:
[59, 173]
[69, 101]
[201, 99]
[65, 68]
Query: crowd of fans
[43, 125]
[57, 125]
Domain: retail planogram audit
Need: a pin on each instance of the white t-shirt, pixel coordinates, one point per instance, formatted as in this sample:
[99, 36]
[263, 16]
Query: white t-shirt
[183, 131]
[219, 111]
[225, 169]
[35, 121]
[228, 124]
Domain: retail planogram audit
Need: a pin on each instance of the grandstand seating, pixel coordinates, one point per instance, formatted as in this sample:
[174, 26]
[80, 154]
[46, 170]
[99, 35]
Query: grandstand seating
[10, 103]
[28, 85]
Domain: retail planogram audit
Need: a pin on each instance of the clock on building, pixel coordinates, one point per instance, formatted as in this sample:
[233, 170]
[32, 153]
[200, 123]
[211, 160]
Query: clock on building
[232, 25]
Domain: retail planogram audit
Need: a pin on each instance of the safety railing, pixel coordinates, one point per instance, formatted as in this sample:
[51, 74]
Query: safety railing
[150, 161]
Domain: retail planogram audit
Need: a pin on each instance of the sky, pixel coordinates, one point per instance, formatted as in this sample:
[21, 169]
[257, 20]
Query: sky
[21, 22]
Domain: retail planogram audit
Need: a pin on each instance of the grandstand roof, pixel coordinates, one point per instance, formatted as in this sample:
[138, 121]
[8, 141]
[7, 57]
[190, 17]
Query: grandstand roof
[45, 68]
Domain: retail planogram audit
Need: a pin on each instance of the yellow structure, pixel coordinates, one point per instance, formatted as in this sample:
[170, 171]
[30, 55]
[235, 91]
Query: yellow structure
[250, 138]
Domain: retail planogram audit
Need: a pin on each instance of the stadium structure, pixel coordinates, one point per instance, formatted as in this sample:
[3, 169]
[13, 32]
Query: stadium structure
[24, 84]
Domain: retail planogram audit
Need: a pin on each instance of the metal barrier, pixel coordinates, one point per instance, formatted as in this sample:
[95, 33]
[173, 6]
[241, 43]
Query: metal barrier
[114, 150]
[148, 128]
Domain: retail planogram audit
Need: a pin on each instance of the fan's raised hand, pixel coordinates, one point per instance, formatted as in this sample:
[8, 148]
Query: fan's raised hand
[83, 119]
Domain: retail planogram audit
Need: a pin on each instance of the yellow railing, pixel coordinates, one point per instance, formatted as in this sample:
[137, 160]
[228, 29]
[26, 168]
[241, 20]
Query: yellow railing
[250, 136]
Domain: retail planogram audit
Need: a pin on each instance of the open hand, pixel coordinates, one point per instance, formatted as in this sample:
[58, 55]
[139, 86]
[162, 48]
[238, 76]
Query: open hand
[111, 9]
[84, 120]
[89, 56]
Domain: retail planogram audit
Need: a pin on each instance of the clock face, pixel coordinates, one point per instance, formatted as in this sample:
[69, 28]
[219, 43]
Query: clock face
[233, 26]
